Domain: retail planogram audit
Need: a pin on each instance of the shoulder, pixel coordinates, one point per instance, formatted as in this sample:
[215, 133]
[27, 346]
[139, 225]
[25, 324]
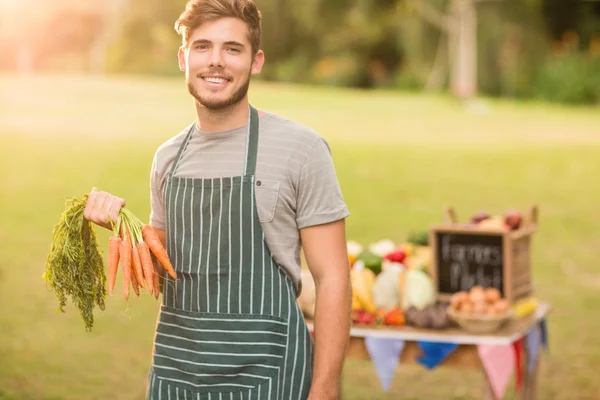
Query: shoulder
[290, 134]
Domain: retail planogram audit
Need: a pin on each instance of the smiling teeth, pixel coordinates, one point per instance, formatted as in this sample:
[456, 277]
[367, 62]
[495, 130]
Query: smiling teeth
[215, 80]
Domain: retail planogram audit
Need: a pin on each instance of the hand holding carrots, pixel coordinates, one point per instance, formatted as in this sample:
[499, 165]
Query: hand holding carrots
[74, 265]
[134, 245]
[102, 207]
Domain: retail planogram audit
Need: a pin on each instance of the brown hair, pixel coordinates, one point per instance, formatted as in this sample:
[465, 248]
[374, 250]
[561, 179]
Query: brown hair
[199, 11]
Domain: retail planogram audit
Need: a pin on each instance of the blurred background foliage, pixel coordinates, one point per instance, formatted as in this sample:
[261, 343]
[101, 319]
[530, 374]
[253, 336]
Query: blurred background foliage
[527, 49]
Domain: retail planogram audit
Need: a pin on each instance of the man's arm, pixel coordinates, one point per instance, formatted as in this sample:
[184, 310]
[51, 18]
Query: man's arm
[326, 254]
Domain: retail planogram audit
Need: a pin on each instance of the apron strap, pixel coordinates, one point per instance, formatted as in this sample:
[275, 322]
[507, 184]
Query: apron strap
[181, 149]
[252, 144]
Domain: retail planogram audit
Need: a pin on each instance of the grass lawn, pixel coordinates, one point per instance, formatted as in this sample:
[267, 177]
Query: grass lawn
[400, 159]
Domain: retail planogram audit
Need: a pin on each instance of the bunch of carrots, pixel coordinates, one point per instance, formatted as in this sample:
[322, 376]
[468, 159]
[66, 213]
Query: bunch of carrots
[135, 245]
[75, 266]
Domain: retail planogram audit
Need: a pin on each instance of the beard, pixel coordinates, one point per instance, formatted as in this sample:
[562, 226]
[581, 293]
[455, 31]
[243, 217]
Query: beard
[215, 104]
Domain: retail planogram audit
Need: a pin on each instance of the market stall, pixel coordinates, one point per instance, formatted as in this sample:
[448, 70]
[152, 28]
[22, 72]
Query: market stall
[459, 295]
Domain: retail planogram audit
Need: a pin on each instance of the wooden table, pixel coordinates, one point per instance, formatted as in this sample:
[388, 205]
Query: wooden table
[465, 355]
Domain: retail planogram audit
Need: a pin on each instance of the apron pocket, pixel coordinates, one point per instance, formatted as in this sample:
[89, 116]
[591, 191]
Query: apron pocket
[218, 353]
[267, 194]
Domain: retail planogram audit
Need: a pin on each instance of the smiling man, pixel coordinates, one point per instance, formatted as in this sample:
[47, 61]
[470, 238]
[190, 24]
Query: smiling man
[235, 196]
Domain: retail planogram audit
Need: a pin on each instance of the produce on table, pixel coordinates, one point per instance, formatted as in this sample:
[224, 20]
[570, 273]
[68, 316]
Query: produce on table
[417, 289]
[360, 316]
[419, 238]
[420, 258]
[362, 280]
[511, 220]
[75, 267]
[479, 310]
[433, 316]
[479, 301]
[525, 307]
[354, 249]
[396, 256]
[382, 247]
[387, 279]
[371, 261]
[495, 223]
[386, 291]
[393, 316]
[479, 216]
[379, 279]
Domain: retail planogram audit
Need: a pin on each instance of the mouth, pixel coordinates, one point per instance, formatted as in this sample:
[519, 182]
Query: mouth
[215, 79]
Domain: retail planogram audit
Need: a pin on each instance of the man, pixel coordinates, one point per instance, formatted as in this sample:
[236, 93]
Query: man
[233, 197]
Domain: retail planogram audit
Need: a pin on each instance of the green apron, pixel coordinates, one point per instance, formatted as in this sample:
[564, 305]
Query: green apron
[229, 327]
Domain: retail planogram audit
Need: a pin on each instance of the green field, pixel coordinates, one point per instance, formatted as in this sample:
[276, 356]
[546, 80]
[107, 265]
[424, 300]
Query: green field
[400, 159]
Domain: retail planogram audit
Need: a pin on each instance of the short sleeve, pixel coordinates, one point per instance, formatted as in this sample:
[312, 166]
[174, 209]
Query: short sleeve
[319, 196]
[157, 211]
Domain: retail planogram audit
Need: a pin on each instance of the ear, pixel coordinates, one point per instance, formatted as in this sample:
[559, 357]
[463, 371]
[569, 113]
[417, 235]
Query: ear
[257, 64]
[181, 57]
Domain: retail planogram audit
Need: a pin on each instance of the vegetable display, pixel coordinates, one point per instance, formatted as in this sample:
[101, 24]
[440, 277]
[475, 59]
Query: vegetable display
[75, 266]
[392, 285]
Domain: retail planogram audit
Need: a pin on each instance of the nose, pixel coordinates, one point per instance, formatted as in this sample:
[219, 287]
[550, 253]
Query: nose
[216, 60]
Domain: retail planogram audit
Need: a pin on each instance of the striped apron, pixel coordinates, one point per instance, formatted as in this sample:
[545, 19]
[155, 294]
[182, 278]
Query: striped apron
[229, 327]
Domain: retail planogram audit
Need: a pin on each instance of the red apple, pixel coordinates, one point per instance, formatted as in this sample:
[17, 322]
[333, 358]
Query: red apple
[513, 219]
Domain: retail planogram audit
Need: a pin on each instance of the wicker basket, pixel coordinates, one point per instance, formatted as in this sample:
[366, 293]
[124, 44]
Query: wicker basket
[479, 323]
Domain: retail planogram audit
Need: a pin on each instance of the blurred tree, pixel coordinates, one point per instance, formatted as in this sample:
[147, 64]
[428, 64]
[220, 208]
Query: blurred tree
[468, 46]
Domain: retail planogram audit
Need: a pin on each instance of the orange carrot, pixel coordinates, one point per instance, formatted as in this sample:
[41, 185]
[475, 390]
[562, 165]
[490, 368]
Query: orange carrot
[137, 267]
[134, 284]
[113, 261]
[125, 252]
[146, 261]
[156, 285]
[154, 243]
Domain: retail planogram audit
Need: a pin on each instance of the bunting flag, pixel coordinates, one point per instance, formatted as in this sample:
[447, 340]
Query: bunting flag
[498, 363]
[434, 353]
[518, 348]
[385, 354]
[544, 334]
[533, 340]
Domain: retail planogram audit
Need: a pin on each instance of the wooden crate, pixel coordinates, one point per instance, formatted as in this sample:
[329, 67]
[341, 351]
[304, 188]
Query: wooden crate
[464, 255]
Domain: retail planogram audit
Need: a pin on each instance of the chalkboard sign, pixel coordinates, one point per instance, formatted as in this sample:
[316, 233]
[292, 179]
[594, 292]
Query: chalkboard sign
[465, 260]
[465, 256]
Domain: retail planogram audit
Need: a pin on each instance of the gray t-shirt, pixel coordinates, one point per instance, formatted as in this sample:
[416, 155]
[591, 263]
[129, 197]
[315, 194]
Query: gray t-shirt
[299, 183]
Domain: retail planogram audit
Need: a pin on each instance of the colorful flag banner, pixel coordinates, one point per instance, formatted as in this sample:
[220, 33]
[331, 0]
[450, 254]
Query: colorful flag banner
[498, 362]
[518, 348]
[534, 341]
[385, 355]
[434, 353]
[544, 333]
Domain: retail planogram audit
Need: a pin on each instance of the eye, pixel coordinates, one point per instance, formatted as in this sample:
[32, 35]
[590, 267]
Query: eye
[233, 50]
[201, 47]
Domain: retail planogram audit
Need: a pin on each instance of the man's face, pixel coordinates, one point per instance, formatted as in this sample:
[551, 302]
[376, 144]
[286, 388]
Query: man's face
[218, 63]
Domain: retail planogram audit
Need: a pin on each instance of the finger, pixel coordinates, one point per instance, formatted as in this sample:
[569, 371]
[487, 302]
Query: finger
[97, 214]
[106, 208]
[100, 200]
[115, 208]
[89, 205]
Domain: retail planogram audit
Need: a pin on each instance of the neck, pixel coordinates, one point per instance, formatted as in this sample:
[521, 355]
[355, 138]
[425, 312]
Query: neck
[223, 120]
